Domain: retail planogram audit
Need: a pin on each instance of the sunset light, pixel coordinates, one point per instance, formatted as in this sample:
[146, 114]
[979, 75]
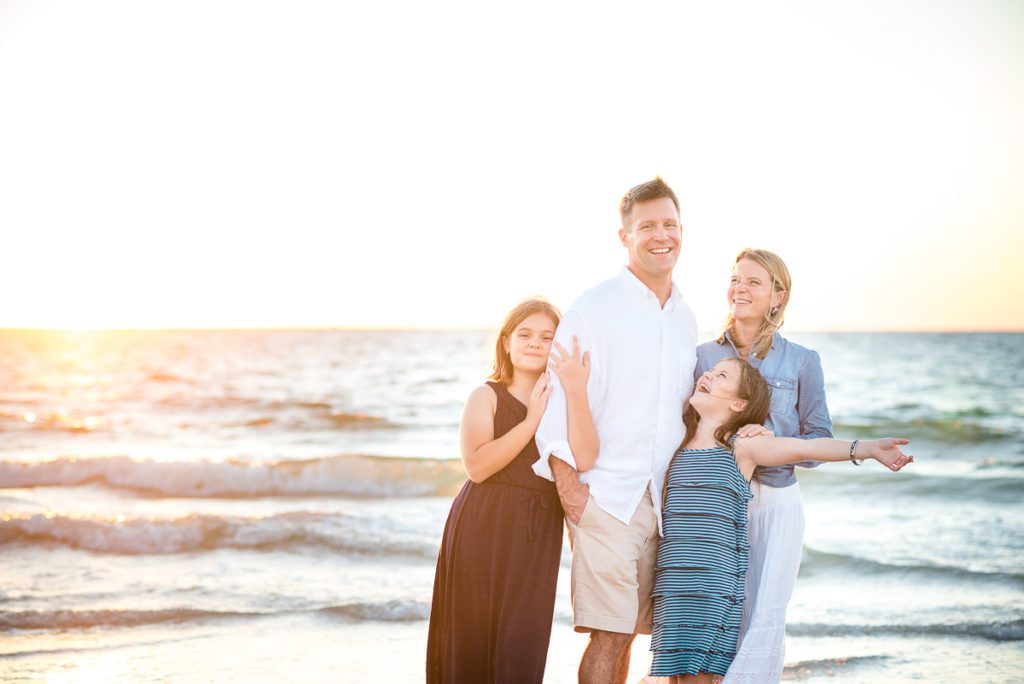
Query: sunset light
[261, 420]
[876, 147]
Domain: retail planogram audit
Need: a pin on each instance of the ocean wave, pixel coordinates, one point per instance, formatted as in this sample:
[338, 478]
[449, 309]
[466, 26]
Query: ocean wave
[83, 619]
[813, 559]
[993, 631]
[361, 420]
[953, 429]
[390, 611]
[993, 463]
[350, 475]
[981, 485]
[164, 376]
[139, 536]
[54, 421]
[336, 419]
[830, 666]
[395, 610]
[275, 408]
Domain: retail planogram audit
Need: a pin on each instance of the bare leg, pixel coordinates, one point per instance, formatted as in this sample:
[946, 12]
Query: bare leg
[601, 662]
[622, 667]
[699, 678]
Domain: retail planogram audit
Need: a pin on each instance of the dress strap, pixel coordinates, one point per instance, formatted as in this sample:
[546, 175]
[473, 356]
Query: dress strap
[505, 397]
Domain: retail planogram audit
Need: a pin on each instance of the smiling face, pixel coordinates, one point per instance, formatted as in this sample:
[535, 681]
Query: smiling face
[750, 294]
[728, 396]
[717, 391]
[529, 343]
[652, 236]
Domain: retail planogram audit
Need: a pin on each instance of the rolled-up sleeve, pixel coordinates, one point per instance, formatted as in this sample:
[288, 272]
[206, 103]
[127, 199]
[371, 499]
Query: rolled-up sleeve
[811, 406]
[553, 432]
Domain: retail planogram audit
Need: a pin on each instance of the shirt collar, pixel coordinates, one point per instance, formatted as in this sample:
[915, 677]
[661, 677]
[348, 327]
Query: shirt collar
[629, 279]
[776, 340]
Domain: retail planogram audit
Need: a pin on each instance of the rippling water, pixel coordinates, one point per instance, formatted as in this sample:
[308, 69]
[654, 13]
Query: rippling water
[204, 505]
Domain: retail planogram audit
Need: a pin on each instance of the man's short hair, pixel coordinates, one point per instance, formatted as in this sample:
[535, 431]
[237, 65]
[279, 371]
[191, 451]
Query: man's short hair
[645, 192]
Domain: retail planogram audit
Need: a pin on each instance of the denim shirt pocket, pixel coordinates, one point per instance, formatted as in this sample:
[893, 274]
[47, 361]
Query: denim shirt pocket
[783, 404]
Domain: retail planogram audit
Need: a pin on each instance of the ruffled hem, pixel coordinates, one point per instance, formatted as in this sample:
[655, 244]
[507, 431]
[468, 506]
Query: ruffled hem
[690, 661]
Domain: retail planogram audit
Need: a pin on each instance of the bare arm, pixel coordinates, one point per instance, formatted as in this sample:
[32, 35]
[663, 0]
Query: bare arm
[482, 454]
[770, 451]
[573, 371]
[571, 491]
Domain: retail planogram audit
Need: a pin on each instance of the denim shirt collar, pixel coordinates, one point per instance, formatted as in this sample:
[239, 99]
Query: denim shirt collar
[752, 359]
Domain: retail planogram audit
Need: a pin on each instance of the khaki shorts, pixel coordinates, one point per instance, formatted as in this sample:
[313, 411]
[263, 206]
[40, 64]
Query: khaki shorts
[613, 569]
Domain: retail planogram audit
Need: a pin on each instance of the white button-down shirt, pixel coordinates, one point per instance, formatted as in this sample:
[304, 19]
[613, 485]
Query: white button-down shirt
[642, 357]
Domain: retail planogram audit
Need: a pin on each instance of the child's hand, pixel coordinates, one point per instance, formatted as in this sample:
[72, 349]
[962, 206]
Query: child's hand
[573, 370]
[538, 399]
[887, 452]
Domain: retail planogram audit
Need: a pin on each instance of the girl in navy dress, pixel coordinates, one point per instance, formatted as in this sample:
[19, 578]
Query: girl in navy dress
[494, 588]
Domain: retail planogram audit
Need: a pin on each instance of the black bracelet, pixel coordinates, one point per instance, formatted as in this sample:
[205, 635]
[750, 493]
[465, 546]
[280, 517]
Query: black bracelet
[853, 450]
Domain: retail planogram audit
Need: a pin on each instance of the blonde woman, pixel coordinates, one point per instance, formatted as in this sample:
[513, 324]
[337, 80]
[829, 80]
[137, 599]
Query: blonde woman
[757, 296]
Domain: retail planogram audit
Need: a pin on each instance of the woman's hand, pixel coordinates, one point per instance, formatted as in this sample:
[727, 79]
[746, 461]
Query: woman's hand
[886, 451]
[538, 400]
[573, 370]
[754, 430]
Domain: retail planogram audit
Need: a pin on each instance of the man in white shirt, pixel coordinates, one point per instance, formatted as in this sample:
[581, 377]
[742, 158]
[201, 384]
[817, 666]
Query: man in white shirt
[641, 338]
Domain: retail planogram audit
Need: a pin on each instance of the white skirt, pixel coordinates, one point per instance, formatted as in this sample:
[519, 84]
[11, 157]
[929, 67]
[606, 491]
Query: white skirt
[775, 519]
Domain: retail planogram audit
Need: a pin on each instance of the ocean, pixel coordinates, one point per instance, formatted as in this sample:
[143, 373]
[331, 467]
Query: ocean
[266, 506]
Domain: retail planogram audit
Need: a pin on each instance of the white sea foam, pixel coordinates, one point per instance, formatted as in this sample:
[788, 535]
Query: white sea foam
[395, 610]
[124, 535]
[349, 475]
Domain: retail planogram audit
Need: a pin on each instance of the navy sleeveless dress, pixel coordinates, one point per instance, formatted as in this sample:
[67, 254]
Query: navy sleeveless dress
[702, 564]
[494, 589]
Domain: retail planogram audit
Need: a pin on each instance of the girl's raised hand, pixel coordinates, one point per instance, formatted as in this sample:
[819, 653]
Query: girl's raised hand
[573, 370]
[538, 399]
[887, 452]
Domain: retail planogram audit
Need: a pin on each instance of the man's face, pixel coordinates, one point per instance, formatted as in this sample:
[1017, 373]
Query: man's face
[652, 237]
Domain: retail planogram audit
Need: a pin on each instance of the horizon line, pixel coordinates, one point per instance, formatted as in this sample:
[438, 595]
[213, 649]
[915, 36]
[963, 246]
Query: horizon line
[405, 328]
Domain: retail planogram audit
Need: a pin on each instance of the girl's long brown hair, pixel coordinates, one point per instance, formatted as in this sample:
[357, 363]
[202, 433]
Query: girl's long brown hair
[754, 389]
[519, 313]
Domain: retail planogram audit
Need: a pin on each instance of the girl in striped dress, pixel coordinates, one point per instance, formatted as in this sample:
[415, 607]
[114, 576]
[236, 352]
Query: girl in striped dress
[702, 559]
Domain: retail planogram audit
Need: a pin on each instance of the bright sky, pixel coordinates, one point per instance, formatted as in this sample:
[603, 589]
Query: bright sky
[402, 164]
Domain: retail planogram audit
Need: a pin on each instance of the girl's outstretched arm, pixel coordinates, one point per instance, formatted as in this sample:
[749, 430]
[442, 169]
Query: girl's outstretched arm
[770, 451]
[482, 454]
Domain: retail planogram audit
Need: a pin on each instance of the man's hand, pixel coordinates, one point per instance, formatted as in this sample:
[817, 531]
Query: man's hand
[571, 491]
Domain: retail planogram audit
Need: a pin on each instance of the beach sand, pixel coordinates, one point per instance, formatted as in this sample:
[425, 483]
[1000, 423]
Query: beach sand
[300, 648]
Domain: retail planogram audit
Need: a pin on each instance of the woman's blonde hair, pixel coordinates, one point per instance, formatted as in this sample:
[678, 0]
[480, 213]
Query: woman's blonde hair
[775, 317]
[519, 313]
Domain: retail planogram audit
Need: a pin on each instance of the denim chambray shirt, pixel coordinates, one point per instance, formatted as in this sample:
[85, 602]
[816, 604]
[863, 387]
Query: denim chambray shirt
[798, 407]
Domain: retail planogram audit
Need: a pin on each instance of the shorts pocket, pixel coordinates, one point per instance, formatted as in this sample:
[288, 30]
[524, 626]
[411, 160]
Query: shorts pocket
[583, 516]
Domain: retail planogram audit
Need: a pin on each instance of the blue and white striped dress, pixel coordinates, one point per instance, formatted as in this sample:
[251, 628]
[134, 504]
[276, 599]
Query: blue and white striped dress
[702, 564]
